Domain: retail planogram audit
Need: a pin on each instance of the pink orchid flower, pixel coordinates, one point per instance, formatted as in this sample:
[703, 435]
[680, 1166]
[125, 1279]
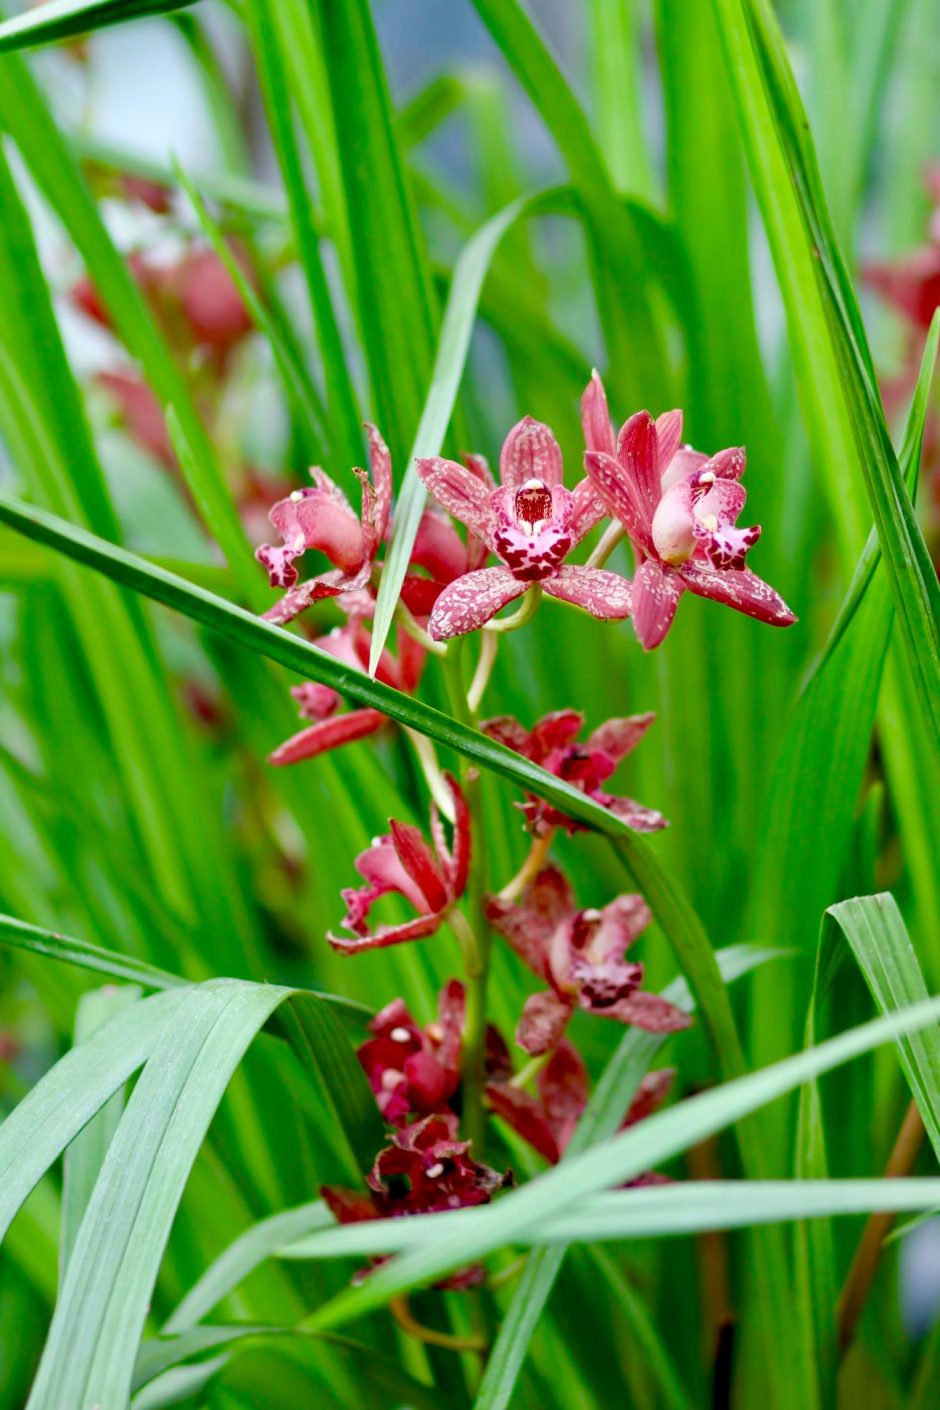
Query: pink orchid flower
[321, 517]
[551, 743]
[432, 878]
[320, 703]
[549, 1120]
[580, 955]
[531, 522]
[680, 510]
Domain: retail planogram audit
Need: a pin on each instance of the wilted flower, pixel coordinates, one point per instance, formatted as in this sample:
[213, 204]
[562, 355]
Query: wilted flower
[551, 743]
[580, 954]
[531, 522]
[432, 878]
[415, 1071]
[680, 510]
[547, 1122]
[320, 703]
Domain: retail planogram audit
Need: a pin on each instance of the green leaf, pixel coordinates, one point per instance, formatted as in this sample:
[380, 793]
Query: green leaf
[394, 291]
[802, 238]
[78, 952]
[601, 1119]
[51, 1115]
[655, 1211]
[875, 929]
[69, 19]
[84, 1156]
[642, 1147]
[102, 1307]
[307, 660]
[452, 348]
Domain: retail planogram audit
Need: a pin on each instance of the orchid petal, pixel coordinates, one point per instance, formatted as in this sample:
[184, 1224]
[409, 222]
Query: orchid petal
[738, 588]
[604, 594]
[420, 864]
[328, 734]
[650, 1094]
[587, 510]
[634, 814]
[543, 1022]
[465, 605]
[619, 737]
[619, 494]
[656, 592]
[530, 452]
[386, 935]
[648, 1011]
[668, 438]
[461, 493]
[685, 461]
[595, 417]
[438, 548]
[638, 454]
[524, 1115]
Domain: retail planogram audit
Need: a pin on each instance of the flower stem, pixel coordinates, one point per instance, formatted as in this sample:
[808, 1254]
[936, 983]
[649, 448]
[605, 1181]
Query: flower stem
[524, 613]
[538, 854]
[481, 676]
[437, 784]
[527, 1074]
[414, 629]
[406, 1319]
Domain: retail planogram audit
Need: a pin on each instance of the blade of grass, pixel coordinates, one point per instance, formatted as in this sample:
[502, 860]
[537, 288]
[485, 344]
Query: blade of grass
[395, 294]
[875, 930]
[643, 1147]
[601, 1119]
[452, 349]
[84, 1156]
[69, 19]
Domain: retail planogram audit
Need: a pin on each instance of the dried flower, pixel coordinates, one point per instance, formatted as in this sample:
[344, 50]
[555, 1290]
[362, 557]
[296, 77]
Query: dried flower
[551, 743]
[680, 510]
[580, 955]
[531, 522]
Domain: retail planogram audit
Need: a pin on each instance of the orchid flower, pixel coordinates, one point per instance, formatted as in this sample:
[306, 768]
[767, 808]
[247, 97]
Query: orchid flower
[680, 509]
[531, 522]
[415, 1071]
[549, 1120]
[432, 878]
[551, 743]
[580, 955]
[320, 703]
[321, 517]
[424, 1170]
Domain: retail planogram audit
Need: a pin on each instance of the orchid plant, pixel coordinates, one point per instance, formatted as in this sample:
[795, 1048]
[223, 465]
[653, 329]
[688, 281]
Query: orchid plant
[679, 509]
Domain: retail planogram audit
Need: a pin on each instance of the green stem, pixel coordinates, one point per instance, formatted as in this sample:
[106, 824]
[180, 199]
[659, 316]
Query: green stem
[523, 614]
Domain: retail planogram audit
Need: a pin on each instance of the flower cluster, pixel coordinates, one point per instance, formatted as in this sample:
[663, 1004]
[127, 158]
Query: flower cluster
[679, 508]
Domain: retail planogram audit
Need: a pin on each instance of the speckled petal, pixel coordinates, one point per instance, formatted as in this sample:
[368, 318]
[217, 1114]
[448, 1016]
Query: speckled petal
[656, 592]
[465, 605]
[530, 452]
[738, 588]
[604, 594]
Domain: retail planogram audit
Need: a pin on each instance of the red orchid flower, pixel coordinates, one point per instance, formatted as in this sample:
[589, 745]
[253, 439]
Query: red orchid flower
[415, 1071]
[320, 703]
[531, 522]
[580, 955]
[680, 510]
[551, 743]
[547, 1122]
[424, 1170]
[432, 878]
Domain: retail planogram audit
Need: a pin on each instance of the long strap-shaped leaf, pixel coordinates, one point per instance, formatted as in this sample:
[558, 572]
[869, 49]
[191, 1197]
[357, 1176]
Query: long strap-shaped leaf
[452, 348]
[66, 19]
[102, 1307]
[788, 186]
[645, 1145]
[301, 656]
[601, 1119]
[875, 929]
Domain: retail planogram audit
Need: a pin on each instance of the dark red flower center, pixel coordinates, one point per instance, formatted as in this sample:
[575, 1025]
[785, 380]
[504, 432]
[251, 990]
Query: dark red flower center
[533, 503]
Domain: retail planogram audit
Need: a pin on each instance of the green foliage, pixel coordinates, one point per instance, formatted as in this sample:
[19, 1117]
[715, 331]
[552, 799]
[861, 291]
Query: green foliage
[164, 1138]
